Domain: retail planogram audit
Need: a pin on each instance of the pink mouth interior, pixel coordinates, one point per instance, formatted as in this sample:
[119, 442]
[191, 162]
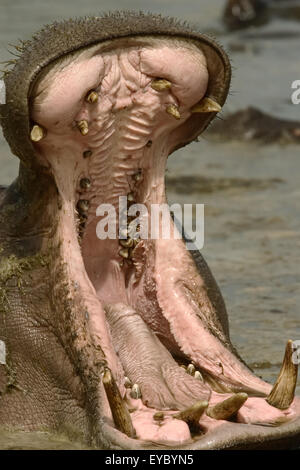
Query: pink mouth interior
[152, 311]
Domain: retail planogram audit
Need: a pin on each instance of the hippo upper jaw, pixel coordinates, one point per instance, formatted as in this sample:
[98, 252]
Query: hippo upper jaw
[130, 319]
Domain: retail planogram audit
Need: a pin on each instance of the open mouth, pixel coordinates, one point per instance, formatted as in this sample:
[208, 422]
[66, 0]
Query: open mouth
[103, 122]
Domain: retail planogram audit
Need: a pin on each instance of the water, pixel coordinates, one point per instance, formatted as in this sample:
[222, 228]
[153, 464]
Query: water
[252, 241]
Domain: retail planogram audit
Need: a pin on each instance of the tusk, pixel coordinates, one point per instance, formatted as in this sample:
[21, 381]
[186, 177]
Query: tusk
[283, 392]
[192, 414]
[118, 408]
[227, 408]
[83, 127]
[206, 105]
[37, 133]
[92, 97]
[161, 84]
[173, 111]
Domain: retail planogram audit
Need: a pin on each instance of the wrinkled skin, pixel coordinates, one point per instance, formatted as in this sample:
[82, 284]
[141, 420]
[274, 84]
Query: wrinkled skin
[253, 125]
[70, 307]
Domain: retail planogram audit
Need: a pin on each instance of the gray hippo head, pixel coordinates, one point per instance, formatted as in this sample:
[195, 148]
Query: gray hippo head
[122, 340]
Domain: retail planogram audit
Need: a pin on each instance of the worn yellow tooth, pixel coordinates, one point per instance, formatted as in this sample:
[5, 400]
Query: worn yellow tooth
[227, 408]
[159, 416]
[127, 382]
[130, 197]
[198, 376]
[124, 253]
[136, 392]
[126, 243]
[173, 110]
[83, 127]
[92, 97]
[206, 105]
[160, 84]
[283, 392]
[137, 176]
[37, 133]
[192, 414]
[191, 369]
[118, 408]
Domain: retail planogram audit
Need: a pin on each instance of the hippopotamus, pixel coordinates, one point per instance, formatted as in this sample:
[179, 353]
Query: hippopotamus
[239, 14]
[242, 14]
[121, 342]
[253, 125]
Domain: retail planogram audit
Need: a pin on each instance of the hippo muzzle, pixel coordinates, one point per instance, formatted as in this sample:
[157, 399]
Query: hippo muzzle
[122, 341]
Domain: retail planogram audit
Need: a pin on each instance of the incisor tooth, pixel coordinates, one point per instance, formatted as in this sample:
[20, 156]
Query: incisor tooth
[192, 414]
[118, 408]
[37, 133]
[227, 408]
[173, 111]
[83, 127]
[191, 369]
[206, 105]
[136, 392]
[198, 375]
[127, 382]
[283, 392]
[161, 84]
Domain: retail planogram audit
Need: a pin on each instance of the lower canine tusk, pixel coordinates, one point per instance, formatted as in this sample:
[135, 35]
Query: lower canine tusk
[206, 105]
[118, 408]
[227, 408]
[283, 392]
[192, 414]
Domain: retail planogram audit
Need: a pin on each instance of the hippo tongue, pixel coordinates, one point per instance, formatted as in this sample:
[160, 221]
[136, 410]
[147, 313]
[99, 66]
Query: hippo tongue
[148, 363]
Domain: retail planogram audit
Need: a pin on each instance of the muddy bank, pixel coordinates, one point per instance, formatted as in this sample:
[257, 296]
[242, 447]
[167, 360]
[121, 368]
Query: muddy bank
[201, 184]
[19, 440]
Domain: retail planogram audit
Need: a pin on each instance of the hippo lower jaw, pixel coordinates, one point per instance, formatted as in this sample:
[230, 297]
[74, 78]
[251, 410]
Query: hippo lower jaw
[141, 317]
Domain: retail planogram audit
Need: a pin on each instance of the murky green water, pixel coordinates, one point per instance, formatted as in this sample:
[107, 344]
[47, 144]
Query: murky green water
[252, 240]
